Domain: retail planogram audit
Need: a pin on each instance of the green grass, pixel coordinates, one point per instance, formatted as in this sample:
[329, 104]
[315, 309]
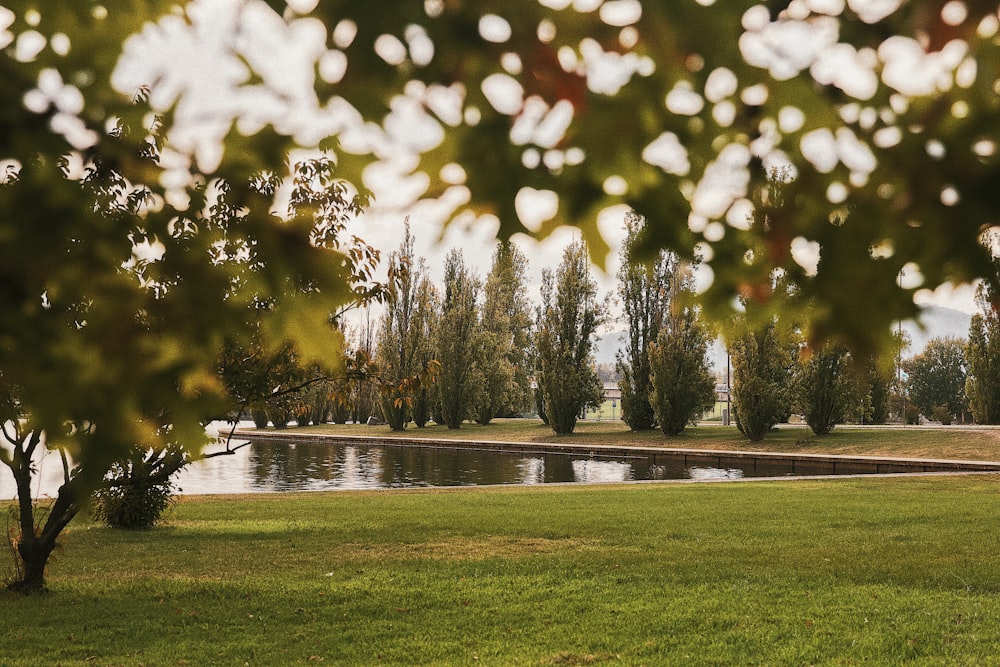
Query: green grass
[859, 571]
[953, 442]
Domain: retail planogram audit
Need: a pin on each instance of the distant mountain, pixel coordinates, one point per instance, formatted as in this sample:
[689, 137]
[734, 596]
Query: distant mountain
[935, 322]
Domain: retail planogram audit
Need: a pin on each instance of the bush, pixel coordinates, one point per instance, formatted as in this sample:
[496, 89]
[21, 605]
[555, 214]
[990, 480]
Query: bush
[941, 414]
[912, 414]
[134, 503]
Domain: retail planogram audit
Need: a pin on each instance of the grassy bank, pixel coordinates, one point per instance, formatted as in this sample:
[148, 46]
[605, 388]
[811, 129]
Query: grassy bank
[878, 571]
[954, 442]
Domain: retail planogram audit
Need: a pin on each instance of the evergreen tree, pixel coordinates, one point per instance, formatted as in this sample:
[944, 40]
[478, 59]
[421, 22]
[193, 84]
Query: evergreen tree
[568, 318]
[645, 297]
[825, 388]
[506, 330]
[937, 379]
[761, 364]
[457, 342]
[982, 354]
[682, 384]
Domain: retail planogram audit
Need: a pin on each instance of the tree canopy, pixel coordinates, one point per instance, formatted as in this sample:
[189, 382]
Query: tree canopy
[885, 114]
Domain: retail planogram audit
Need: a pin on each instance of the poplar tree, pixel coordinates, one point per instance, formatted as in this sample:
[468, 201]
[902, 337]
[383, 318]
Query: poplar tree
[761, 367]
[397, 350]
[506, 330]
[682, 384]
[423, 325]
[982, 354]
[457, 342]
[645, 292]
[567, 320]
[825, 388]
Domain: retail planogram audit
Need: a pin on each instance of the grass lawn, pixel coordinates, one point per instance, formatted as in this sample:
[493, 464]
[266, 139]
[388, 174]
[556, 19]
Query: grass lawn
[952, 442]
[873, 571]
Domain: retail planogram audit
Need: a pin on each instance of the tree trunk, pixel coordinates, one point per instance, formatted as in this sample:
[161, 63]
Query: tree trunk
[34, 546]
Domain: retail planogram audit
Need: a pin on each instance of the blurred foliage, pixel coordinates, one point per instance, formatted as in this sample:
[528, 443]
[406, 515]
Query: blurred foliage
[901, 97]
[681, 110]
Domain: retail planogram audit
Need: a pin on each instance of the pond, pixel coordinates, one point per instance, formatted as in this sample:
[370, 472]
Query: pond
[274, 465]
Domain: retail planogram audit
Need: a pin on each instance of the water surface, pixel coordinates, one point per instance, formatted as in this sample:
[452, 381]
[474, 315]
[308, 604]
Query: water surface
[276, 466]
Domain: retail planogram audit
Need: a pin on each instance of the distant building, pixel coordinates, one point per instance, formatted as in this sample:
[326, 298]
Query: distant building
[612, 392]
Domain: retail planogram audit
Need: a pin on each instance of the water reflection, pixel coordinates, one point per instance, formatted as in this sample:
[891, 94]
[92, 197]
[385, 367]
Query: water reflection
[265, 466]
[304, 466]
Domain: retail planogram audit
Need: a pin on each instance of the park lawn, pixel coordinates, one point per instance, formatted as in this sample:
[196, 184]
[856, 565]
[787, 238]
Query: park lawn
[864, 570]
[951, 442]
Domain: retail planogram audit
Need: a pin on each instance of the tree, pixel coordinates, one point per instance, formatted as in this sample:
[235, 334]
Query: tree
[72, 311]
[646, 300]
[937, 379]
[423, 326]
[761, 366]
[401, 336]
[256, 377]
[982, 355]
[840, 109]
[683, 386]
[457, 342]
[506, 330]
[567, 320]
[825, 388]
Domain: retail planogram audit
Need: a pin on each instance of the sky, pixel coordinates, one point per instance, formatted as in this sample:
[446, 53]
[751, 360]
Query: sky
[197, 65]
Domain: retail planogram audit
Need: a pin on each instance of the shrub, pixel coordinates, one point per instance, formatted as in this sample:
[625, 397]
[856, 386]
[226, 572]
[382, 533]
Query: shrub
[130, 502]
[942, 414]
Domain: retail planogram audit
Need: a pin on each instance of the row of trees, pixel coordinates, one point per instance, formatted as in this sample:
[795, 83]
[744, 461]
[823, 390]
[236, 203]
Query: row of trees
[473, 349]
[455, 353]
[776, 374]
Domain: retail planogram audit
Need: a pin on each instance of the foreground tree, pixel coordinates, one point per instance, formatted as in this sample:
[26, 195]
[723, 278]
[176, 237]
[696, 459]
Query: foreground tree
[982, 356]
[567, 321]
[646, 297]
[681, 378]
[71, 311]
[937, 379]
[205, 264]
[825, 388]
